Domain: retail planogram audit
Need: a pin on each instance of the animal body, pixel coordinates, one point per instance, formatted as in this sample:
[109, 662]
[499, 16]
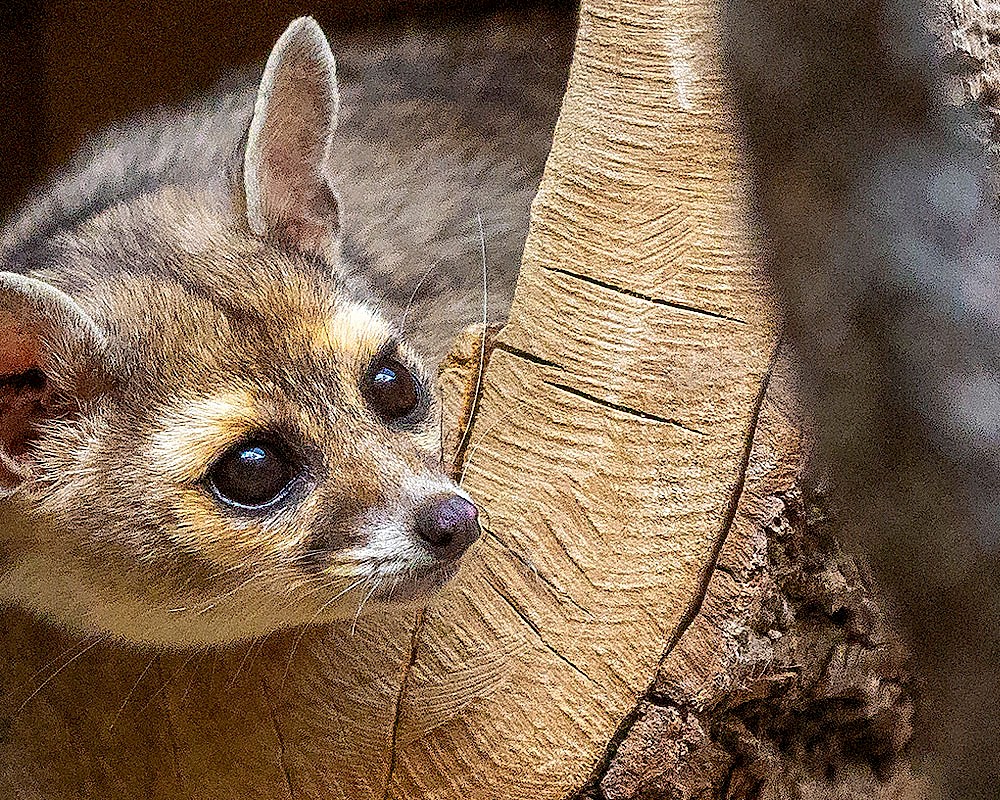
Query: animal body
[217, 417]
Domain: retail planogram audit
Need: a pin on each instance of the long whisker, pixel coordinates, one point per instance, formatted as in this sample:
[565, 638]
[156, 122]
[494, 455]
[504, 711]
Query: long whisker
[49, 679]
[441, 430]
[396, 580]
[194, 670]
[169, 680]
[239, 668]
[38, 672]
[475, 446]
[413, 295]
[375, 584]
[299, 598]
[211, 603]
[304, 628]
[131, 691]
[219, 573]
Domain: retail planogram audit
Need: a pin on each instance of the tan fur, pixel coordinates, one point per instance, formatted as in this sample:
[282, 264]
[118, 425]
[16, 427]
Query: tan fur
[192, 434]
[161, 446]
[226, 308]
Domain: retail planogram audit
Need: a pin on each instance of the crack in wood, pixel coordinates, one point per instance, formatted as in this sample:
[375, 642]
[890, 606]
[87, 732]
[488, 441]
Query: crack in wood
[734, 504]
[403, 686]
[648, 298]
[560, 595]
[526, 356]
[569, 556]
[538, 632]
[591, 788]
[646, 77]
[727, 783]
[622, 408]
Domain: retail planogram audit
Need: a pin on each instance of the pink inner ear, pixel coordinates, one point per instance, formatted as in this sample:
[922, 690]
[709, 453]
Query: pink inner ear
[23, 399]
[23, 391]
[19, 352]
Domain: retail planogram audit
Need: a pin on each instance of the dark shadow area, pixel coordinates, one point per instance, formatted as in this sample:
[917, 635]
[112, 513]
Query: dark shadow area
[22, 101]
[71, 67]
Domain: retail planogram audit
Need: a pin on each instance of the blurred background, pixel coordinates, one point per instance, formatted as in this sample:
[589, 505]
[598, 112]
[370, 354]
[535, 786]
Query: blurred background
[68, 67]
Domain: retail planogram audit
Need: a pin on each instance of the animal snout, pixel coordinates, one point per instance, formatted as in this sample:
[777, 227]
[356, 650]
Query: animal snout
[448, 523]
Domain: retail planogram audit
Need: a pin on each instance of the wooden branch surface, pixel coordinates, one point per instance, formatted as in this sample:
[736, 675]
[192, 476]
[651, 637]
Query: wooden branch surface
[612, 434]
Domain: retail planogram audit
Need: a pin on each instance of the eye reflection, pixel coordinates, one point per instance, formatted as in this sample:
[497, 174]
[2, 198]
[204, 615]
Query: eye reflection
[390, 389]
[252, 474]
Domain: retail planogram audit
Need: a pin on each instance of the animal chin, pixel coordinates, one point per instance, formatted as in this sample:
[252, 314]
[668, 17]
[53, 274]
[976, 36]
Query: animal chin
[415, 584]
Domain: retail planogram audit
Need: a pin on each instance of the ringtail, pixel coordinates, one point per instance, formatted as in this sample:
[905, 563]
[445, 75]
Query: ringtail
[218, 327]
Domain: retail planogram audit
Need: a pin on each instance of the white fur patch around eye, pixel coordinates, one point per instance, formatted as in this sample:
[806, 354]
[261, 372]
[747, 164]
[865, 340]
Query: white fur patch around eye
[194, 433]
[353, 329]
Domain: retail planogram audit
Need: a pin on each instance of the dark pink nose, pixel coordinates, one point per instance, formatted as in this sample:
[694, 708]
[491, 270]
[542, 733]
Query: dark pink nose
[448, 523]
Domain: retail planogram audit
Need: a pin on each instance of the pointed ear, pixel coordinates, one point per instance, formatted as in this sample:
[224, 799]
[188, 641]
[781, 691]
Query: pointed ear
[288, 196]
[50, 351]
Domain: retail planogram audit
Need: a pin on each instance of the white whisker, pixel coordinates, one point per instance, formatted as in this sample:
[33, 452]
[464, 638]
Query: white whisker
[131, 691]
[441, 430]
[169, 680]
[38, 672]
[212, 602]
[239, 667]
[413, 294]
[304, 628]
[482, 347]
[375, 584]
[187, 688]
[48, 680]
[475, 446]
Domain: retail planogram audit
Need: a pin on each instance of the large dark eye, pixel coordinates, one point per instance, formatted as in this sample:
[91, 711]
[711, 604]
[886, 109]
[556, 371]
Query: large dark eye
[252, 474]
[390, 389]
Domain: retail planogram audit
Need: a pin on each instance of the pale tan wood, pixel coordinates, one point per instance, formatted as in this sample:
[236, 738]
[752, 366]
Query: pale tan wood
[302, 714]
[791, 680]
[612, 435]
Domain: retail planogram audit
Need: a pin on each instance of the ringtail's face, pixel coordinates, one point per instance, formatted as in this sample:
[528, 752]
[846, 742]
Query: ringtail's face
[202, 438]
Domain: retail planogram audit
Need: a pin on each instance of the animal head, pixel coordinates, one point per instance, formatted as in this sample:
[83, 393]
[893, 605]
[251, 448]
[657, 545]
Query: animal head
[202, 437]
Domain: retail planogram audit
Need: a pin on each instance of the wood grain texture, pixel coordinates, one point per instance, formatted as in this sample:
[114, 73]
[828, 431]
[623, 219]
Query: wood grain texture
[791, 681]
[303, 714]
[612, 435]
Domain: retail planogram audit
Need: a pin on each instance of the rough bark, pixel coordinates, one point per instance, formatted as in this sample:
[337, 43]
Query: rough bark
[967, 39]
[791, 682]
[879, 210]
